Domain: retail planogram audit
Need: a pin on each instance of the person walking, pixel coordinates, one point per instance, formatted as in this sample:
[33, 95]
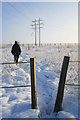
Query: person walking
[16, 51]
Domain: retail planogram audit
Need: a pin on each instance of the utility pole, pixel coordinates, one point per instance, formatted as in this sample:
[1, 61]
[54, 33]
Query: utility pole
[35, 24]
[35, 27]
[39, 30]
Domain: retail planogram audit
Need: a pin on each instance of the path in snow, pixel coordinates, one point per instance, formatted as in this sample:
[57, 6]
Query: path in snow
[17, 102]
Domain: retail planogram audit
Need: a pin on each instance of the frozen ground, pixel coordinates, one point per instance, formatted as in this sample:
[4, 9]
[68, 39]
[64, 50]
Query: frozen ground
[16, 102]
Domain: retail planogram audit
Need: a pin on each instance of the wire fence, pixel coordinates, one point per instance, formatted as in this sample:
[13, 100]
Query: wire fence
[74, 61]
[16, 86]
[62, 83]
[33, 81]
[77, 85]
[58, 105]
[73, 84]
[13, 63]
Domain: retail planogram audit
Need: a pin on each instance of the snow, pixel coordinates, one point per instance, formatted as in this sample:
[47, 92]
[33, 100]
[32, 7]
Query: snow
[16, 102]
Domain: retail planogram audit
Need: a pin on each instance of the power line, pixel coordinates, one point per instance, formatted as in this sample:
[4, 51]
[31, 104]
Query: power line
[35, 22]
[19, 11]
[29, 9]
[15, 8]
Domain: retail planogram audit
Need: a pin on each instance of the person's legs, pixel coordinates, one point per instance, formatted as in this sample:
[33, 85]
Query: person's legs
[16, 58]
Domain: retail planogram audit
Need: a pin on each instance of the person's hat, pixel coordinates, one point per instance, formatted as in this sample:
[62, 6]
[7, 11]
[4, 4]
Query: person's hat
[15, 42]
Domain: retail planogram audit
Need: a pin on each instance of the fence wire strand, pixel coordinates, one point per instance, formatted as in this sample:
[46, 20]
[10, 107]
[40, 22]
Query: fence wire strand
[13, 63]
[15, 86]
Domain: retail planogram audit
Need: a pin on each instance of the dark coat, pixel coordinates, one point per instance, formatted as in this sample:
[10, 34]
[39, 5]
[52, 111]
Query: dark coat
[16, 50]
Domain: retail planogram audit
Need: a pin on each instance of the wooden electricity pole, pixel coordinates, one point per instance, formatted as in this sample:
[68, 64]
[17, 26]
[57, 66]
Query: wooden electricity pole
[39, 30]
[35, 24]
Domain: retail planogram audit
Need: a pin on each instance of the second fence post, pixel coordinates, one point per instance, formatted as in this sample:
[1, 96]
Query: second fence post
[33, 83]
[60, 93]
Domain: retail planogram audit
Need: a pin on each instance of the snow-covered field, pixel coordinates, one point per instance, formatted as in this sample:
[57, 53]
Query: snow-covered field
[16, 102]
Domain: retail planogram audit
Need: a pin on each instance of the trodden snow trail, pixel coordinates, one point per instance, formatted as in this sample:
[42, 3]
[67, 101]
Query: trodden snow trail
[16, 102]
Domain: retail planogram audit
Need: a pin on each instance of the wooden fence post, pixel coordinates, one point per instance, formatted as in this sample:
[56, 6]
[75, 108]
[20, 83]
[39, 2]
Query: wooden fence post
[60, 93]
[33, 83]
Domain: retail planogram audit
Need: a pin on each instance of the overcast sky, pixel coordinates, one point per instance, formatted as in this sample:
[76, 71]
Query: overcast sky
[60, 21]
